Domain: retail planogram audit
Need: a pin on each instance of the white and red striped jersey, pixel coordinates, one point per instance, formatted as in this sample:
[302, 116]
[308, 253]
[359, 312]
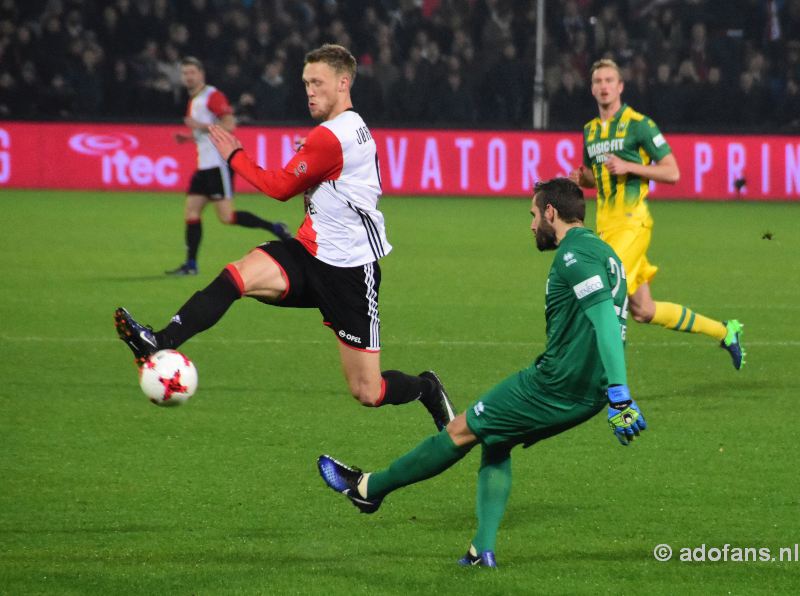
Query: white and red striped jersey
[207, 107]
[337, 169]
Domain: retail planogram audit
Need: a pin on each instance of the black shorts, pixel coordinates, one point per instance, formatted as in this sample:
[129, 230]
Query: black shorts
[214, 183]
[347, 297]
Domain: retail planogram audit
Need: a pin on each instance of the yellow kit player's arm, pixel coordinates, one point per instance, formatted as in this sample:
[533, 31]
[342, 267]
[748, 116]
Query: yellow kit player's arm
[666, 170]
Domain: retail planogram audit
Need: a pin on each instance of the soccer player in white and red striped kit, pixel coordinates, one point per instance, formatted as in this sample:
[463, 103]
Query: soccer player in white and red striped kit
[332, 264]
[212, 181]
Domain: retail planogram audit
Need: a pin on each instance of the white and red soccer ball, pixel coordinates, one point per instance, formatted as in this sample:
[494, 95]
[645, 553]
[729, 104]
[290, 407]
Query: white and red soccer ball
[168, 378]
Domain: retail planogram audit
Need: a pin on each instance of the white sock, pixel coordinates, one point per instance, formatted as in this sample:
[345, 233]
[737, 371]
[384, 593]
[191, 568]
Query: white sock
[362, 485]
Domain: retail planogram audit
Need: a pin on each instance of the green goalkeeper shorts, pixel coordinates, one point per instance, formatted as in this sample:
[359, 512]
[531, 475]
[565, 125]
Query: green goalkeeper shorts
[512, 412]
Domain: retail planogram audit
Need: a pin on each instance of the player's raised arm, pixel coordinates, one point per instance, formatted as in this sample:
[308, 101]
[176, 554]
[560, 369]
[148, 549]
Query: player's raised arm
[319, 158]
[665, 171]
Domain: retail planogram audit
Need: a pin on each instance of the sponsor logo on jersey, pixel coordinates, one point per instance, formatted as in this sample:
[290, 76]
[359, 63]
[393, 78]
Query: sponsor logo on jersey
[569, 259]
[659, 140]
[602, 147]
[588, 286]
[478, 408]
[344, 335]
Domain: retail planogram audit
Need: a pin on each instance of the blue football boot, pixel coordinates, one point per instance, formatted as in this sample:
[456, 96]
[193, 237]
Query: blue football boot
[344, 479]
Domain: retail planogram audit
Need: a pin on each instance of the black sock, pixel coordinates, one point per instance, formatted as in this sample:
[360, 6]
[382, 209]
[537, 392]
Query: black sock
[248, 220]
[194, 231]
[401, 388]
[200, 312]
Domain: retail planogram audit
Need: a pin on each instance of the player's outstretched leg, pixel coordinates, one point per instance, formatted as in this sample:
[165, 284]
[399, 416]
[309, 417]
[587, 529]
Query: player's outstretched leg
[732, 343]
[437, 402]
[139, 338]
[250, 220]
[474, 559]
[200, 312]
[344, 479]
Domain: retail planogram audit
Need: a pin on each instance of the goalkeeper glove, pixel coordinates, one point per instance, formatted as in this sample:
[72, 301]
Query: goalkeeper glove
[624, 416]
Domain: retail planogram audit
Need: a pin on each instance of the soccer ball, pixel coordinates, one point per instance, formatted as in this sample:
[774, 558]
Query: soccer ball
[168, 378]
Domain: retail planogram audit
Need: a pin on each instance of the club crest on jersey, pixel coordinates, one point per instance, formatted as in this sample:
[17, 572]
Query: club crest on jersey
[300, 168]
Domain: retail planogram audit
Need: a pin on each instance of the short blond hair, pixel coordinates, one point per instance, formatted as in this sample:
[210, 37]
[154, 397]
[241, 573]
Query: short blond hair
[337, 57]
[605, 63]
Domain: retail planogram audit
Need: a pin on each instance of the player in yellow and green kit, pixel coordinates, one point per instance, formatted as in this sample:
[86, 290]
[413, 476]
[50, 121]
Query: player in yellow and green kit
[581, 371]
[622, 151]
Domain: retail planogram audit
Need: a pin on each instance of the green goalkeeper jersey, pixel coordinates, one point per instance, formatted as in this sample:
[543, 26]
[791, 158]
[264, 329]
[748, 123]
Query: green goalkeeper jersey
[585, 271]
[621, 200]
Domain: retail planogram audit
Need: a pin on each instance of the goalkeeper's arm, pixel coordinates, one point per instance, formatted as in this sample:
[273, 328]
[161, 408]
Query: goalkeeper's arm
[609, 340]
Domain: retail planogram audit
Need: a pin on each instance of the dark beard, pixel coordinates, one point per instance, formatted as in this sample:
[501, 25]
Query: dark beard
[545, 237]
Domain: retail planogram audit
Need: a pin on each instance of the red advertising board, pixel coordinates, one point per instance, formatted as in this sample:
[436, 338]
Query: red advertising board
[413, 162]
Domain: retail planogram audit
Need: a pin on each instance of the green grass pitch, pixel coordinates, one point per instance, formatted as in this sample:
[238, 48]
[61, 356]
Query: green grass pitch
[103, 493]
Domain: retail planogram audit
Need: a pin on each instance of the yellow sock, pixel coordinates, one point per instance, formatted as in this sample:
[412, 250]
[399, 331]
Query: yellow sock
[679, 318]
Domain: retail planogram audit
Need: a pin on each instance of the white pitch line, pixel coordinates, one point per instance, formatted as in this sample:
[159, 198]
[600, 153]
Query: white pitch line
[413, 342]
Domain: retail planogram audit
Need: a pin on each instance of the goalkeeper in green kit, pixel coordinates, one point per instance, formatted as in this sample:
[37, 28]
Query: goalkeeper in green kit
[581, 372]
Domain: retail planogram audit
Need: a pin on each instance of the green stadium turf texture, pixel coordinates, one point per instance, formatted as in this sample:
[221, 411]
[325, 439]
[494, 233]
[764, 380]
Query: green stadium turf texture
[104, 493]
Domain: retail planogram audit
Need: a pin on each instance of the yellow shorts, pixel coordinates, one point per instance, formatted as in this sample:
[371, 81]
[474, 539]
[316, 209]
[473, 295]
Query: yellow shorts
[631, 244]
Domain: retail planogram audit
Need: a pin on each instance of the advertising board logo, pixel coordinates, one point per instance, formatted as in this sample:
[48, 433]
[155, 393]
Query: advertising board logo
[119, 162]
[5, 156]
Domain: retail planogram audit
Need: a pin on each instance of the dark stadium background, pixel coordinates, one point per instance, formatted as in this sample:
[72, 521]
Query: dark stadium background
[714, 65]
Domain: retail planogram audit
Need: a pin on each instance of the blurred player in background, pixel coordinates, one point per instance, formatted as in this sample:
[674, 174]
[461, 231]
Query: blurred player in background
[213, 180]
[618, 149]
[332, 265]
[581, 371]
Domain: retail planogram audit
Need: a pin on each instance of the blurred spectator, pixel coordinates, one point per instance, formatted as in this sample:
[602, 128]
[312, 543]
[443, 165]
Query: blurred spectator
[508, 87]
[58, 99]
[271, 93]
[453, 105]
[713, 106]
[789, 111]
[698, 51]
[386, 73]
[668, 109]
[87, 80]
[245, 108]
[233, 82]
[637, 85]
[570, 106]
[118, 90]
[366, 92]
[750, 101]
[408, 102]
[10, 98]
[29, 87]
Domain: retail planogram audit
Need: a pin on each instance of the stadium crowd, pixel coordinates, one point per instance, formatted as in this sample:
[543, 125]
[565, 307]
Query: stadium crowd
[715, 64]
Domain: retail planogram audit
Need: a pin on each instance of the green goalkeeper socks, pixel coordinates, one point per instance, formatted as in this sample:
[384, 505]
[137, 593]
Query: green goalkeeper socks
[494, 486]
[431, 457]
